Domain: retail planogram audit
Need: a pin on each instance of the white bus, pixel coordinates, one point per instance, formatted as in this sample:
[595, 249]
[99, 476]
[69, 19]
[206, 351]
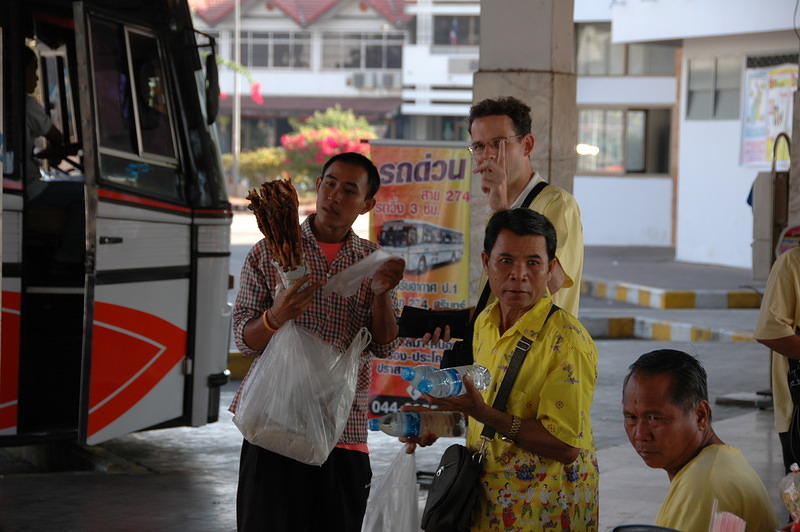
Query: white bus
[115, 260]
[422, 244]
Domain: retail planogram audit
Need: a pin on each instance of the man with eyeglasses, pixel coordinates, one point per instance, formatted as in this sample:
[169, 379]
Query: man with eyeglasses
[501, 147]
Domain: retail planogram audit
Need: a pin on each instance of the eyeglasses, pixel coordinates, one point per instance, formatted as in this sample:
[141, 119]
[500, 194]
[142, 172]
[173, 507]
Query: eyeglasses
[477, 148]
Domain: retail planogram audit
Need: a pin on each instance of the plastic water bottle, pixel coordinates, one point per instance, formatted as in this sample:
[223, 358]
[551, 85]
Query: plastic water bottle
[416, 374]
[412, 424]
[447, 382]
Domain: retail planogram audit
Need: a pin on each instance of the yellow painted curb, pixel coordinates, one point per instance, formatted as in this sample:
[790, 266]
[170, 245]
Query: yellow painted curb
[662, 331]
[744, 300]
[621, 327]
[700, 334]
[678, 300]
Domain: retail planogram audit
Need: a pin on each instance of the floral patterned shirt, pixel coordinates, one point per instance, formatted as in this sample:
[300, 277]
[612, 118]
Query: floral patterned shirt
[555, 385]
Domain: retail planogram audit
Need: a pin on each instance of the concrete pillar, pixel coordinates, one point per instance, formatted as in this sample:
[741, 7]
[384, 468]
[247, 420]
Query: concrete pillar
[527, 51]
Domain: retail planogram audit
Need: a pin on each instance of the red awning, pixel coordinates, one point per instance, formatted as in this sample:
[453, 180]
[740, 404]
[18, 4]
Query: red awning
[291, 106]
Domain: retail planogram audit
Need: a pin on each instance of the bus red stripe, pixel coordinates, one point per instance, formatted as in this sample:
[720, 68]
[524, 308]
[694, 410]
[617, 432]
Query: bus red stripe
[130, 198]
[107, 344]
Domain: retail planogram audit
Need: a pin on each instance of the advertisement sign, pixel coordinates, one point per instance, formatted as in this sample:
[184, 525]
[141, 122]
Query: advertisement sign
[769, 94]
[421, 215]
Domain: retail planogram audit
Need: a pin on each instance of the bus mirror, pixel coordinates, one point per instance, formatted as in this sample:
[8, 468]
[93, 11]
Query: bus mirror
[212, 88]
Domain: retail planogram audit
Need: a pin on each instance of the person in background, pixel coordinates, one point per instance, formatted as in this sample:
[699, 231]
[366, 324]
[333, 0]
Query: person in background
[38, 123]
[277, 493]
[777, 328]
[502, 144]
[501, 147]
[668, 422]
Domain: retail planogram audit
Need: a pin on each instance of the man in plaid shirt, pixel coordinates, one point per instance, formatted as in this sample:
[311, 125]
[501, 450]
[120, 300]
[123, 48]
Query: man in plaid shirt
[276, 492]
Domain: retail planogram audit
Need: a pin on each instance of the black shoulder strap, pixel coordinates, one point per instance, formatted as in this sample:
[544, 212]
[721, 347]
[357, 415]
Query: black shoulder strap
[521, 351]
[532, 194]
[486, 291]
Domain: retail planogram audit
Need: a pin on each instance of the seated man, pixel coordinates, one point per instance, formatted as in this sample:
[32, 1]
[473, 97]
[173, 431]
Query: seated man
[668, 422]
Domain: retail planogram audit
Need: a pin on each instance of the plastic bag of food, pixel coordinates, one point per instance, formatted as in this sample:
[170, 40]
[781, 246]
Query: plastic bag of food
[393, 504]
[296, 400]
[790, 494]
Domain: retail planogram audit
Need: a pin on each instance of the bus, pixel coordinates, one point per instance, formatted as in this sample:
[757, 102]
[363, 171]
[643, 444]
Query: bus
[421, 244]
[115, 226]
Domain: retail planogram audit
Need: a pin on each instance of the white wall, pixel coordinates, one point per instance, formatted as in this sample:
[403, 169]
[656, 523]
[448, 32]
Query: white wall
[625, 211]
[626, 91]
[646, 20]
[714, 221]
[592, 10]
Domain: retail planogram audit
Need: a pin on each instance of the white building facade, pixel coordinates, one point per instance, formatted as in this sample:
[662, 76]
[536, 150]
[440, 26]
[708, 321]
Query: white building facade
[738, 65]
[626, 97]
[304, 56]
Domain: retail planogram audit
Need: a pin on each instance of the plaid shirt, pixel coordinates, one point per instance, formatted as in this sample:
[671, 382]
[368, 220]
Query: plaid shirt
[333, 319]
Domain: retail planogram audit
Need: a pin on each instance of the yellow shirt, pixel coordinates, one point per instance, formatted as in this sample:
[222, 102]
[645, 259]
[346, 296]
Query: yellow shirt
[560, 207]
[555, 385]
[779, 318]
[719, 472]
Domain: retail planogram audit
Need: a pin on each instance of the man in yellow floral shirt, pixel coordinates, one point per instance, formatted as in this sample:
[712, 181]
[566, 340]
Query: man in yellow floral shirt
[543, 473]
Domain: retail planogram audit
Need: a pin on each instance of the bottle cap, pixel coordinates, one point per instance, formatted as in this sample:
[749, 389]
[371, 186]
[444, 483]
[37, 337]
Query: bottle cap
[424, 386]
[408, 374]
[374, 424]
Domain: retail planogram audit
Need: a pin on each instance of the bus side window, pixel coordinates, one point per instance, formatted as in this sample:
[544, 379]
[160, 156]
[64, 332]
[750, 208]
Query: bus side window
[137, 143]
[151, 96]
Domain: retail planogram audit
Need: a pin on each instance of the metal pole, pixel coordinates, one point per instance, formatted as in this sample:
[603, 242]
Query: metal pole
[237, 104]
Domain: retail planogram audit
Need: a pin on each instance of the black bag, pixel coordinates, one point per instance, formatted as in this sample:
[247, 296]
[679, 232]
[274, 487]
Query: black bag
[454, 492]
[456, 483]
[461, 352]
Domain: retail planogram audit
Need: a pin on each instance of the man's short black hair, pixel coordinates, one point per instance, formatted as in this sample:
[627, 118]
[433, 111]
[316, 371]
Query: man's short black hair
[356, 159]
[521, 222]
[516, 110]
[688, 376]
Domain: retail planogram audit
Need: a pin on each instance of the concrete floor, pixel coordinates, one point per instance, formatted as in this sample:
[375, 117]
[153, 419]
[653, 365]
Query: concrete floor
[187, 476]
[184, 479]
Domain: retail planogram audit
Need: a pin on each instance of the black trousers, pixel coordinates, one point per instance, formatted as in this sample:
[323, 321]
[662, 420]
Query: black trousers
[276, 493]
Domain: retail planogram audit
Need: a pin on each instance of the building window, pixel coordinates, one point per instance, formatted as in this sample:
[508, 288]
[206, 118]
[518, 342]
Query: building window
[361, 51]
[596, 55]
[713, 88]
[270, 49]
[620, 141]
[450, 30]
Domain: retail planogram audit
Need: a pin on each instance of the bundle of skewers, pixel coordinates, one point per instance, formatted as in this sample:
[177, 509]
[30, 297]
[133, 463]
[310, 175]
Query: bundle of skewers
[275, 205]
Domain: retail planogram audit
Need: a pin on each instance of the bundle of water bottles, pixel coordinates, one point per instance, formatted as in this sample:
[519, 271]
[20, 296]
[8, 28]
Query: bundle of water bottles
[436, 383]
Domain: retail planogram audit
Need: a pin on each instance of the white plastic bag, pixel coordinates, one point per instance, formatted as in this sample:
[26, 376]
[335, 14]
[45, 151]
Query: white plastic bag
[297, 398]
[347, 282]
[393, 504]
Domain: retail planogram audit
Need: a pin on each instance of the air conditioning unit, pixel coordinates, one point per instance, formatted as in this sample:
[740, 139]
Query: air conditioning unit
[359, 79]
[391, 80]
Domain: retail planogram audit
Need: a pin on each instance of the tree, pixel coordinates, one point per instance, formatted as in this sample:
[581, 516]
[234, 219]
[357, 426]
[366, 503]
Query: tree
[331, 117]
[257, 166]
[321, 136]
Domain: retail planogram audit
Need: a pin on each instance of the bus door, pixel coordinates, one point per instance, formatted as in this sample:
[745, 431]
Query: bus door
[138, 234]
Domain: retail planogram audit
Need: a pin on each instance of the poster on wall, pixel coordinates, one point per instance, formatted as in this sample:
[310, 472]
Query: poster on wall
[769, 93]
[421, 215]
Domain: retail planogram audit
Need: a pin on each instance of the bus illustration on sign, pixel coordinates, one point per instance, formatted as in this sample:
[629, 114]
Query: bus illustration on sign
[421, 244]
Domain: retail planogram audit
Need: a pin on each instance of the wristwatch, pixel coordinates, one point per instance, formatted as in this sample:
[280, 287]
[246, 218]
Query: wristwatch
[512, 433]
